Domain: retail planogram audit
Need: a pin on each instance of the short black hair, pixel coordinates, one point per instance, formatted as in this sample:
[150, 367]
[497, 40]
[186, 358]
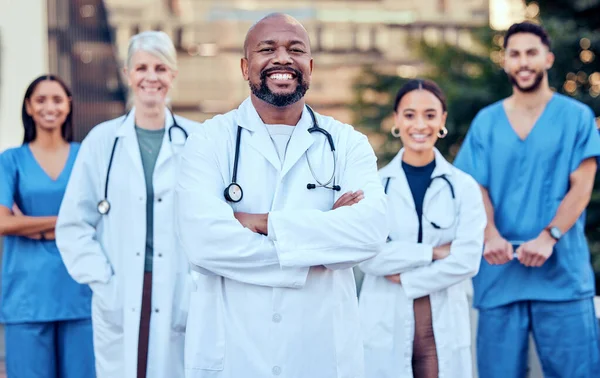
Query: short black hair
[528, 27]
[66, 129]
[416, 84]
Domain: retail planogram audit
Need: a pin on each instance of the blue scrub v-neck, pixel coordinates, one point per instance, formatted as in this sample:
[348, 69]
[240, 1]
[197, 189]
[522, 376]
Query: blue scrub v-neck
[36, 286]
[526, 180]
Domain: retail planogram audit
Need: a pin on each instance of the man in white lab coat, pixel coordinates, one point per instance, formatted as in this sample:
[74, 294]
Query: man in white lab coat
[275, 219]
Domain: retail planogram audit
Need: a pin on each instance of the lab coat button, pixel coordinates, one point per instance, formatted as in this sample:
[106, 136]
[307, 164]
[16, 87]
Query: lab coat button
[276, 370]
[155, 310]
[141, 198]
[137, 254]
[160, 255]
[133, 309]
[276, 318]
[160, 200]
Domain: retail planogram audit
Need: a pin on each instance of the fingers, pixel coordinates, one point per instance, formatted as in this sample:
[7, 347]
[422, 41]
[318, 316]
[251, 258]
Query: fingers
[509, 252]
[498, 254]
[349, 199]
[395, 278]
[525, 255]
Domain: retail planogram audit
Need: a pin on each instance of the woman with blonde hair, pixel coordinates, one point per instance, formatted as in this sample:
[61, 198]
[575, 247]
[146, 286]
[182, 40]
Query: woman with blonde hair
[115, 227]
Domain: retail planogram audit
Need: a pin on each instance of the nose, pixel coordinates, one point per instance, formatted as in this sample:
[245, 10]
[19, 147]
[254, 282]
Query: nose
[524, 61]
[151, 75]
[50, 107]
[282, 56]
[420, 122]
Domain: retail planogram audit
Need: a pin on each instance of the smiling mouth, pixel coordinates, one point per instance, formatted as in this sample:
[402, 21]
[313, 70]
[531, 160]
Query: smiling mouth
[279, 76]
[48, 118]
[525, 74]
[151, 89]
[420, 137]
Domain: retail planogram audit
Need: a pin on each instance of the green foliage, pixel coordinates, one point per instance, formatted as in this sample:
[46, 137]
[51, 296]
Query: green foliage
[471, 81]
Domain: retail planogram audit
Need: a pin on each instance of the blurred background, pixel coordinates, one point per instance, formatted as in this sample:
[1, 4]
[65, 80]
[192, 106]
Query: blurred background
[363, 51]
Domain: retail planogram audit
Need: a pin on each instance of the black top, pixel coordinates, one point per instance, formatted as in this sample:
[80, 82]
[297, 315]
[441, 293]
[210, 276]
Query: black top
[418, 180]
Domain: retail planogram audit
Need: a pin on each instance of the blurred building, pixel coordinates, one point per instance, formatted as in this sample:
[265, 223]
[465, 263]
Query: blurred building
[23, 56]
[85, 42]
[345, 35]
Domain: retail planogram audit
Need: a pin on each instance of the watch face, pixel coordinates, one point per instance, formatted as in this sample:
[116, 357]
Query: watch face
[555, 233]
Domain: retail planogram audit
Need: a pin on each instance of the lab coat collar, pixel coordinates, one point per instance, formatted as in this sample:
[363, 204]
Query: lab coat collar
[127, 123]
[394, 172]
[126, 132]
[261, 141]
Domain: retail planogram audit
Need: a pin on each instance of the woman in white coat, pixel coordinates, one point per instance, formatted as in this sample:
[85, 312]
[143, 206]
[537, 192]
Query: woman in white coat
[413, 303]
[115, 226]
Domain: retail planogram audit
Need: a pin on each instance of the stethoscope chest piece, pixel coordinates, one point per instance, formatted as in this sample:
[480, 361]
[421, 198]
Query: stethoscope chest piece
[234, 193]
[103, 207]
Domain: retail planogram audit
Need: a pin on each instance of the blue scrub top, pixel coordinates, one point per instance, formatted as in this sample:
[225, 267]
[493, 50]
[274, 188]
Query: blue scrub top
[527, 180]
[35, 284]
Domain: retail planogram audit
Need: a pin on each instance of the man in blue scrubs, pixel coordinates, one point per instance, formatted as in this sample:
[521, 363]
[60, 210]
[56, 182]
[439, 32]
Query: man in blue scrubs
[535, 156]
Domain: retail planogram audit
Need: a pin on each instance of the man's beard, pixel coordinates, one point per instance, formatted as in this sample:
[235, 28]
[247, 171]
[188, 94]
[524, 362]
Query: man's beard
[533, 87]
[263, 92]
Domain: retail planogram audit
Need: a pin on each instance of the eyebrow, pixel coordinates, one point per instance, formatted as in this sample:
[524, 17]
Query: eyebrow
[530, 49]
[413, 110]
[272, 42]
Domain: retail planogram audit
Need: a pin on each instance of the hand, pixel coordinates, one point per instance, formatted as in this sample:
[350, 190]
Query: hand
[254, 222]
[498, 251]
[349, 199]
[49, 235]
[535, 252]
[36, 236]
[16, 211]
[395, 278]
[441, 252]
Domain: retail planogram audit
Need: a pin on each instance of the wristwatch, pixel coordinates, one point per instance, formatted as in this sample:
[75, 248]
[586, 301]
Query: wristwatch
[555, 232]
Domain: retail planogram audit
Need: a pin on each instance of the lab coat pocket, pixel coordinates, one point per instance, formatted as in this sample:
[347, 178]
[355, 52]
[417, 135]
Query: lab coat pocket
[106, 300]
[205, 333]
[181, 302]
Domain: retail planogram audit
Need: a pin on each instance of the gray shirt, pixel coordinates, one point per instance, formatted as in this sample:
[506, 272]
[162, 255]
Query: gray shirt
[149, 142]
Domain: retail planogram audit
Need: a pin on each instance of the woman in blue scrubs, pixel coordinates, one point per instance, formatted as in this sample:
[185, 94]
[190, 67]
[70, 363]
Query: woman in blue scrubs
[46, 314]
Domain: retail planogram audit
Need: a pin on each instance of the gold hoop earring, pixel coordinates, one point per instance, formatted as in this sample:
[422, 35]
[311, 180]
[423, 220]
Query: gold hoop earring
[442, 133]
[395, 132]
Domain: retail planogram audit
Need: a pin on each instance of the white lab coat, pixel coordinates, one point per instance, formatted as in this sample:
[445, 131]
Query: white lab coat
[386, 308]
[107, 251]
[265, 306]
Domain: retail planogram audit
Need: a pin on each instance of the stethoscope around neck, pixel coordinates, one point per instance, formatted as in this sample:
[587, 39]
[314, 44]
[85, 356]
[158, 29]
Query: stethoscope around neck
[437, 226]
[234, 193]
[104, 204]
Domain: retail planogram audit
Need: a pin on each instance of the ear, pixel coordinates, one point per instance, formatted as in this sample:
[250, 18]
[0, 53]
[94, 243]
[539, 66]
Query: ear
[174, 74]
[28, 109]
[503, 62]
[549, 60]
[126, 74]
[311, 65]
[444, 118]
[397, 120]
[244, 67]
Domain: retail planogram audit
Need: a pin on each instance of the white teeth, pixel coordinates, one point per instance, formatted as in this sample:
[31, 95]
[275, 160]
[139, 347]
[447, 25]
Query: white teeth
[418, 136]
[280, 76]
